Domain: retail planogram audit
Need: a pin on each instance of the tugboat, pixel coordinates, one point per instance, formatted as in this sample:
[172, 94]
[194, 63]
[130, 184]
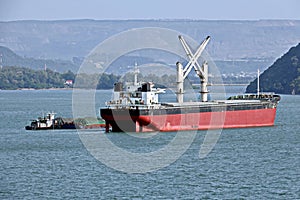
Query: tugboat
[136, 108]
[47, 122]
[50, 122]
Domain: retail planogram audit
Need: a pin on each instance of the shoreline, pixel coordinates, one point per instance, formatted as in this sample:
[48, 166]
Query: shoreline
[67, 89]
[26, 89]
[53, 89]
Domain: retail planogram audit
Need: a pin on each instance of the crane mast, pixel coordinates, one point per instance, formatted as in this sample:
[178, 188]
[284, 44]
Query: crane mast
[201, 70]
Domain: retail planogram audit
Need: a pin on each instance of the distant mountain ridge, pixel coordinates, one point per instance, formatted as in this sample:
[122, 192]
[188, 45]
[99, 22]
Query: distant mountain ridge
[283, 76]
[231, 40]
[10, 58]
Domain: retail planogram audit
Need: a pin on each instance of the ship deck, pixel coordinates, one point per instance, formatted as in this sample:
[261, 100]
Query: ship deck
[211, 103]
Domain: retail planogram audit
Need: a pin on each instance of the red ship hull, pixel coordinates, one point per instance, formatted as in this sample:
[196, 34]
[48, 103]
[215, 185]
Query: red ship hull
[207, 120]
[125, 121]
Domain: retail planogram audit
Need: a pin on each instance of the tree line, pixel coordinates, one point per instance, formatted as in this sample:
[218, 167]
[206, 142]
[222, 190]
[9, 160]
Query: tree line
[12, 78]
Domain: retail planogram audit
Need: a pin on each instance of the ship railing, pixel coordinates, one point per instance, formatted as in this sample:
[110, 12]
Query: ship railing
[133, 106]
[253, 96]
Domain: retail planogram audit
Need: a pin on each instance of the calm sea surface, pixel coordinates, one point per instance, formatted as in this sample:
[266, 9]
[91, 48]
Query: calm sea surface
[252, 163]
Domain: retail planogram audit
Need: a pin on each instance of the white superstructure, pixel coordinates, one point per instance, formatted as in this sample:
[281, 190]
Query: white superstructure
[135, 94]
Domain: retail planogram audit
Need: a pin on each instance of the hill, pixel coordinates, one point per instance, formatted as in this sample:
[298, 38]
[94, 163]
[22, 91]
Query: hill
[237, 47]
[283, 76]
[18, 77]
[12, 78]
[10, 58]
[231, 40]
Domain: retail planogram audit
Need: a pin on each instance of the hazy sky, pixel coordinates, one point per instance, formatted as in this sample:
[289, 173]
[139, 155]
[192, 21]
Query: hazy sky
[148, 9]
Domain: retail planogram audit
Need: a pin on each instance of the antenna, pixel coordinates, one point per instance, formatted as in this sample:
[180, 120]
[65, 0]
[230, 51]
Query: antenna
[1, 61]
[258, 82]
[136, 72]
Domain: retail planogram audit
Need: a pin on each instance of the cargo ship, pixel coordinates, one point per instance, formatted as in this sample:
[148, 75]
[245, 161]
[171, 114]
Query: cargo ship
[136, 107]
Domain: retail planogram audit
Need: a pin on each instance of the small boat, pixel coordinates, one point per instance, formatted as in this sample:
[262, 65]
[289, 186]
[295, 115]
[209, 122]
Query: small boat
[46, 122]
[50, 122]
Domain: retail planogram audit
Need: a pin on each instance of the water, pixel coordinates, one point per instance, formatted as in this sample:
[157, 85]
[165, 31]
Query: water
[252, 163]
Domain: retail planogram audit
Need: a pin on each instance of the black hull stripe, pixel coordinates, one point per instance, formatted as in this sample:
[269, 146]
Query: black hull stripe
[184, 110]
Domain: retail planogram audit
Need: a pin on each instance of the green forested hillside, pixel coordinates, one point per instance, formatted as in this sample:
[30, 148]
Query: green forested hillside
[12, 78]
[20, 77]
[283, 76]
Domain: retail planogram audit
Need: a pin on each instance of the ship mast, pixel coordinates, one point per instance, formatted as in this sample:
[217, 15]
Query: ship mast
[201, 71]
[258, 82]
[136, 72]
[1, 61]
